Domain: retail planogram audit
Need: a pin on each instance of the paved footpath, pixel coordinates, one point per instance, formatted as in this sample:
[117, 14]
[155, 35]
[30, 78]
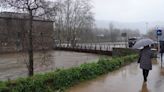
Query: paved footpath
[126, 79]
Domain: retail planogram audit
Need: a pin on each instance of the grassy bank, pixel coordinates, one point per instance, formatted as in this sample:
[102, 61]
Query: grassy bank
[59, 80]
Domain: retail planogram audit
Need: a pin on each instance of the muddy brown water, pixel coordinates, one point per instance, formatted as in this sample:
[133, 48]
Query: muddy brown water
[13, 65]
[126, 79]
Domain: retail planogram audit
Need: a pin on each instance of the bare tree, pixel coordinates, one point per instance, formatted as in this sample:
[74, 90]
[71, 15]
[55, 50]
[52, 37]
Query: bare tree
[152, 34]
[111, 29]
[73, 17]
[114, 33]
[33, 8]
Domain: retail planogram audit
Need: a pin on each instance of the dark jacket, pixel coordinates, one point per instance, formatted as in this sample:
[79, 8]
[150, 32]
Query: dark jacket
[145, 58]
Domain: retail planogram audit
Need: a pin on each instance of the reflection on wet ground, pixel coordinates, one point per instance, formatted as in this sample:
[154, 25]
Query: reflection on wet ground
[13, 65]
[144, 88]
[126, 79]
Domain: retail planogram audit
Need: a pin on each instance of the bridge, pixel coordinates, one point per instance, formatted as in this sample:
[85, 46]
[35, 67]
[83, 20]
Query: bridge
[96, 48]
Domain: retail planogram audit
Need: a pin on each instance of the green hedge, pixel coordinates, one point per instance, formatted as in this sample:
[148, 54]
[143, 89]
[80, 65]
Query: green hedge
[59, 80]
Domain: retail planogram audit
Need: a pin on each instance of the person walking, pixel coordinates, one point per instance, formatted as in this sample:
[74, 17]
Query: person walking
[145, 61]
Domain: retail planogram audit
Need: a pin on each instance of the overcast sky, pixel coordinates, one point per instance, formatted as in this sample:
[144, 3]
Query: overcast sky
[141, 12]
[129, 10]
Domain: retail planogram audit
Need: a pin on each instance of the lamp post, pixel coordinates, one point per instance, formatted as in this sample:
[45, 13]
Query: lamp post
[147, 26]
[125, 37]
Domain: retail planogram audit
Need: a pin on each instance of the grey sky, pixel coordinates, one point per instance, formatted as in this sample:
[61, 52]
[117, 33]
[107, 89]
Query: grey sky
[129, 10]
[133, 14]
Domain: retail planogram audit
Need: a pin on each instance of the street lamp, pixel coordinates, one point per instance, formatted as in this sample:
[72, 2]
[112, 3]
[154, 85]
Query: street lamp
[125, 37]
[147, 26]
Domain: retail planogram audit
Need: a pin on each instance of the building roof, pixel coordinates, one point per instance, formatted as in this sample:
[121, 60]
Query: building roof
[16, 15]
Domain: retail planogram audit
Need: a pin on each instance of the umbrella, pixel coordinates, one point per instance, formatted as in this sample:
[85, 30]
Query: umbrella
[143, 42]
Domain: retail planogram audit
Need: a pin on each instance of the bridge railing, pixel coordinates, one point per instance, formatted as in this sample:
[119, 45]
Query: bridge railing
[91, 46]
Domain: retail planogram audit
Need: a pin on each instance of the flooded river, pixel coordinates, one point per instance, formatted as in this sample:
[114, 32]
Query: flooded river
[126, 79]
[14, 65]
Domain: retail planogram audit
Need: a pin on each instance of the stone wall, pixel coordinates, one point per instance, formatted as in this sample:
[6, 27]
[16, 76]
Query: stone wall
[129, 51]
[123, 51]
[13, 34]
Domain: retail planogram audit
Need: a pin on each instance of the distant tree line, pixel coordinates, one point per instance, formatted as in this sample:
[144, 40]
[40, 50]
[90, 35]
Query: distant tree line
[151, 33]
[111, 34]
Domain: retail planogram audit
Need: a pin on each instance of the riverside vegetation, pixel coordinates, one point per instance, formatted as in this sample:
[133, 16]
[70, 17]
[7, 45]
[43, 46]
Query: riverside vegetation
[62, 79]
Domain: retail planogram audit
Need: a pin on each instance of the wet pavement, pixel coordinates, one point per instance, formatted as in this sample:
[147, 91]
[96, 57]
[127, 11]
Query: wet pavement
[126, 79]
[13, 65]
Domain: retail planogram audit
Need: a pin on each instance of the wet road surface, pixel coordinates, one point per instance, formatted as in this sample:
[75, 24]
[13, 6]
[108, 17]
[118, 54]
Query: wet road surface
[126, 79]
[13, 65]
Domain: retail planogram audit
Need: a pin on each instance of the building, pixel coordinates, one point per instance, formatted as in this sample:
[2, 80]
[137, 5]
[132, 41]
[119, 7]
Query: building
[14, 32]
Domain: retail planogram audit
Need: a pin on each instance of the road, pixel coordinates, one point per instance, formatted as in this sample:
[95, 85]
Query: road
[126, 79]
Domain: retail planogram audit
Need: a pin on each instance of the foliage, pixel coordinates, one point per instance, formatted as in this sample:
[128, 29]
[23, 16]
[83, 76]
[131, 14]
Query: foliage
[59, 80]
